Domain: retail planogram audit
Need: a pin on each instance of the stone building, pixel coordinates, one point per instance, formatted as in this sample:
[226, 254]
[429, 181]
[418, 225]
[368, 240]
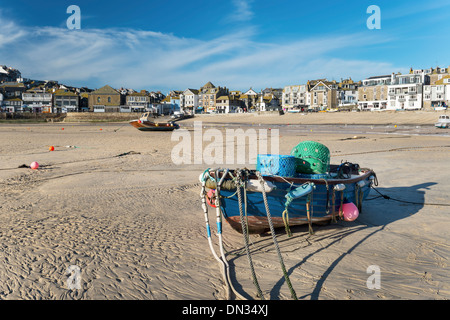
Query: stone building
[372, 94]
[105, 99]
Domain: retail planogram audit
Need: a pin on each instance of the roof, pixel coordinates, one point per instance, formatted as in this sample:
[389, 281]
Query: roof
[12, 84]
[140, 94]
[377, 77]
[62, 92]
[209, 85]
[250, 92]
[105, 90]
[325, 83]
[193, 91]
[441, 81]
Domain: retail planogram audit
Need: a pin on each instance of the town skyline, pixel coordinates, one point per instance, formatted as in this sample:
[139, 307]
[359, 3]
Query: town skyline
[238, 44]
[417, 89]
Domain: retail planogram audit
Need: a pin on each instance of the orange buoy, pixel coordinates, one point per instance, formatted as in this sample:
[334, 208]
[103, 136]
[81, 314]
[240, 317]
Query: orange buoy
[52, 148]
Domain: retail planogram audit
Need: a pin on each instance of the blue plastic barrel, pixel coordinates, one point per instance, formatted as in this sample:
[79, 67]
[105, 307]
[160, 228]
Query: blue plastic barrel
[276, 165]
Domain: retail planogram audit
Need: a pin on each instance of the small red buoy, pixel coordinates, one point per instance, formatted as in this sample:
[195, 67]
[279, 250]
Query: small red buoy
[139, 121]
[34, 165]
[52, 148]
[211, 197]
[62, 128]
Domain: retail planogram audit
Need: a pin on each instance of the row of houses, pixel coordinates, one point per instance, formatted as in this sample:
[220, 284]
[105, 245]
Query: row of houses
[50, 97]
[418, 89]
[212, 99]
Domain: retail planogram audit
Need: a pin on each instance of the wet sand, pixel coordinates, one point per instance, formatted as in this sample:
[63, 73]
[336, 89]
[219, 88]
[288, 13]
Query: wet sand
[110, 200]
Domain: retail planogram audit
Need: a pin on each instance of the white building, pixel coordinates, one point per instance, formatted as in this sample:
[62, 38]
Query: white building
[437, 95]
[162, 109]
[347, 97]
[136, 102]
[37, 99]
[405, 91]
[189, 100]
[228, 104]
[347, 94]
[296, 96]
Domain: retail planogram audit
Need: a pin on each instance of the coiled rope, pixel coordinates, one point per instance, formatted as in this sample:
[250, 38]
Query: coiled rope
[222, 260]
[274, 237]
[239, 184]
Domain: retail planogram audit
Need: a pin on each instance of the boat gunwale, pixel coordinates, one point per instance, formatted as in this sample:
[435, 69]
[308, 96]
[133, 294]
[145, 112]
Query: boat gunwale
[153, 126]
[366, 173]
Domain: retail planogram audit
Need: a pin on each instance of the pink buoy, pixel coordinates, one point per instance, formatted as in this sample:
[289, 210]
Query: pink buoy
[34, 165]
[350, 211]
[211, 197]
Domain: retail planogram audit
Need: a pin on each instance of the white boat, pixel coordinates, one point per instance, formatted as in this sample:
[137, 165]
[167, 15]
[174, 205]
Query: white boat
[443, 121]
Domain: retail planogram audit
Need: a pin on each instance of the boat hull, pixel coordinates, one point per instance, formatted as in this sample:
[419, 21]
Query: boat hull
[442, 125]
[321, 208]
[151, 126]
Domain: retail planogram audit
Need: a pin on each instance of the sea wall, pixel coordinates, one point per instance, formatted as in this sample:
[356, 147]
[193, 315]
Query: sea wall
[100, 117]
[30, 116]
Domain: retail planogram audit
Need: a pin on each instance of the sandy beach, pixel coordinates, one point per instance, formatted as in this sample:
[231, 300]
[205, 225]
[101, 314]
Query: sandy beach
[110, 200]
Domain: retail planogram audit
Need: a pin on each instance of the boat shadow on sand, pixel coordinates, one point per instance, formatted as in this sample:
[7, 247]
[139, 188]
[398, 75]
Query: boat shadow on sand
[377, 212]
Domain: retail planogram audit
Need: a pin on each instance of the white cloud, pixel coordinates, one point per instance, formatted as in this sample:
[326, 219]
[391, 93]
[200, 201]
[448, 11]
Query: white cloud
[243, 10]
[9, 33]
[155, 61]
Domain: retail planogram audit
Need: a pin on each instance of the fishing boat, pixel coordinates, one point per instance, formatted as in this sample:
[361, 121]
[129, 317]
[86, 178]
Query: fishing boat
[285, 201]
[443, 122]
[144, 123]
[283, 191]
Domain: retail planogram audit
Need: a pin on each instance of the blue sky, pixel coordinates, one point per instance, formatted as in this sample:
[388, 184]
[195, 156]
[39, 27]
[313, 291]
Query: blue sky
[174, 45]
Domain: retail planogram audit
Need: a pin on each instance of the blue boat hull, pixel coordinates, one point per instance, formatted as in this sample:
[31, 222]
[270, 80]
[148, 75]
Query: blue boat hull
[320, 202]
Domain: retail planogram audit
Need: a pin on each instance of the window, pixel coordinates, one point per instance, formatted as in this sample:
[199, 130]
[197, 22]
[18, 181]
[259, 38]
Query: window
[109, 99]
[98, 99]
